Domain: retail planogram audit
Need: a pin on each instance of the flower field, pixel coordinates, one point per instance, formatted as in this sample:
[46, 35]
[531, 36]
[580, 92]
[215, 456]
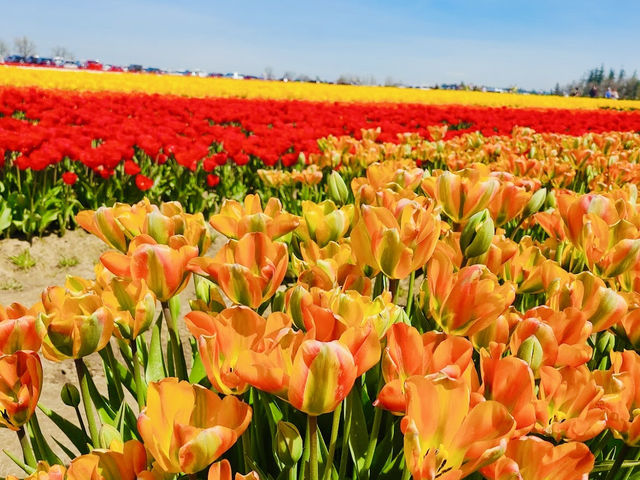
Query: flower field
[405, 290]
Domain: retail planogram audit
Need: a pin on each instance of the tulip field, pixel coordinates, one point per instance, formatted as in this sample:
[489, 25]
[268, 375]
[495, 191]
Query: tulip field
[434, 286]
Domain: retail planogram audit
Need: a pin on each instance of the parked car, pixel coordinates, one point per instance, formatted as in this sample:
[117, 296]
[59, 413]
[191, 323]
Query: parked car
[93, 65]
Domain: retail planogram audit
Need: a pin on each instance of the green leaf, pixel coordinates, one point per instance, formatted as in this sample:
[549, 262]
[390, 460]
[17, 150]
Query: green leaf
[29, 470]
[155, 370]
[75, 434]
[359, 438]
[198, 372]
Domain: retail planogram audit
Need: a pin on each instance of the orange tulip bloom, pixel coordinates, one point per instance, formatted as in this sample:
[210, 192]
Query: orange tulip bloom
[44, 472]
[20, 328]
[464, 302]
[103, 224]
[408, 353]
[602, 306]
[567, 407]
[124, 462]
[162, 267]
[509, 381]
[222, 471]
[444, 437]
[324, 222]
[313, 376]
[77, 324]
[508, 202]
[463, 193]
[187, 427]
[397, 238]
[222, 337]
[622, 396]
[237, 219]
[133, 304]
[20, 387]
[249, 271]
[531, 458]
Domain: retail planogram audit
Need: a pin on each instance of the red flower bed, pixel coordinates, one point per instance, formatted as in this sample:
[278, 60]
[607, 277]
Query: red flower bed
[102, 129]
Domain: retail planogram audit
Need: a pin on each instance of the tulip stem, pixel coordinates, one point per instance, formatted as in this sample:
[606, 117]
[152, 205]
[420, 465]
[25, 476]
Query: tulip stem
[412, 281]
[111, 360]
[81, 369]
[176, 346]
[313, 447]
[140, 386]
[344, 451]
[332, 442]
[394, 285]
[406, 474]
[373, 439]
[27, 450]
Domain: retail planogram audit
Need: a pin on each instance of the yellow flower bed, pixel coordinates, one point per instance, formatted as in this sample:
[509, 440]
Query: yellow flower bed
[224, 87]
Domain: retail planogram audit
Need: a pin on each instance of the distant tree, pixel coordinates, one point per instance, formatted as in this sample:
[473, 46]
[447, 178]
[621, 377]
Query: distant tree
[62, 52]
[621, 75]
[557, 90]
[612, 75]
[303, 77]
[4, 50]
[24, 46]
[268, 73]
[289, 75]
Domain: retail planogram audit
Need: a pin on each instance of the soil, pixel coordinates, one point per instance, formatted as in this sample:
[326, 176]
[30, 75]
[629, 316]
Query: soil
[55, 258]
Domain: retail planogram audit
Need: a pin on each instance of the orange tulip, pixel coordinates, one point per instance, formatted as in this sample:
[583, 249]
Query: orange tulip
[162, 267]
[531, 458]
[133, 304]
[464, 302]
[237, 219]
[397, 238]
[463, 193]
[567, 407]
[222, 471]
[623, 406]
[408, 353]
[20, 328]
[508, 202]
[20, 387]
[187, 427]
[602, 306]
[444, 437]
[77, 324]
[249, 271]
[324, 222]
[313, 376]
[103, 224]
[122, 462]
[222, 337]
[44, 472]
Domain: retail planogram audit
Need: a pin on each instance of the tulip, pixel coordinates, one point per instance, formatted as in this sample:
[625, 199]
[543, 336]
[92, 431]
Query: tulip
[124, 462]
[187, 427]
[222, 337]
[408, 353]
[509, 201]
[568, 405]
[462, 194]
[133, 304]
[443, 436]
[222, 471]
[313, 376]
[477, 234]
[236, 220]
[249, 271]
[325, 222]
[288, 443]
[531, 458]
[77, 325]
[337, 189]
[464, 302]
[396, 239]
[162, 267]
[20, 387]
[103, 224]
[20, 328]
[44, 472]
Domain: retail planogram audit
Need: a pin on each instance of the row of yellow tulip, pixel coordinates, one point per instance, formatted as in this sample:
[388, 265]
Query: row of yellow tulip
[222, 87]
[508, 350]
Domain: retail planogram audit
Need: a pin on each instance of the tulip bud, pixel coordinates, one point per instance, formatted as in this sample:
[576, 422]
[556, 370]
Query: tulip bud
[295, 306]
[535, 203]
[531, 352]
[477, 234]
[288, 444]
[551, 199]
[338, 191]
[605, 343]
[70, 395]
[277, 305]
[108, 435]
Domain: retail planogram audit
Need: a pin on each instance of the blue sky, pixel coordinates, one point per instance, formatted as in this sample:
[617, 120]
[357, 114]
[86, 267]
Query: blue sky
[530, 44]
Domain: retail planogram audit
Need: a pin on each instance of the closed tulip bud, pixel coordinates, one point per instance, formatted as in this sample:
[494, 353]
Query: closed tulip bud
[605, 343]
[531, 352]
[298, 293]
[338, 191]
[535, 203]
[277, 305]
[70, 395]
[288, 444]
[477, 234]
